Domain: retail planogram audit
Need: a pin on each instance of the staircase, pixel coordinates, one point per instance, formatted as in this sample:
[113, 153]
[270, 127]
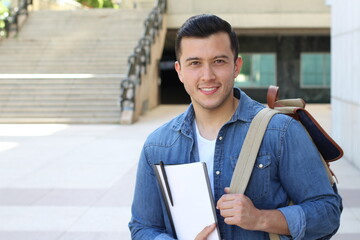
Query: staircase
[66, 66]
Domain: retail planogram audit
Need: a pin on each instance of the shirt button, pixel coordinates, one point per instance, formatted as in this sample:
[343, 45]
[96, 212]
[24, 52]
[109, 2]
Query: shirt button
[261, 165]
[217, 172]
[220, 138]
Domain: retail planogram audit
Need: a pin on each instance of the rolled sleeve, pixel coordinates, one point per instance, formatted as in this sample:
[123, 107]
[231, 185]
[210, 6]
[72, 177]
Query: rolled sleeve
[164, 236]
[296, 220]
[316, 212]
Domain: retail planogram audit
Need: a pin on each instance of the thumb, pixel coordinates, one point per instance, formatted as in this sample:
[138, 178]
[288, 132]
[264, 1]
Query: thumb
[227, 190]
[205, 232]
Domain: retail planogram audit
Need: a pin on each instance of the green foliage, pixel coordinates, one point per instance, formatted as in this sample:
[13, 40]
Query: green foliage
[4, 12]
[97, 3]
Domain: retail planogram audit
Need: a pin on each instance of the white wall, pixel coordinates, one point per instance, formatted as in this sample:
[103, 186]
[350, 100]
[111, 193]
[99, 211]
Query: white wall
[254, 13]
[345, 87]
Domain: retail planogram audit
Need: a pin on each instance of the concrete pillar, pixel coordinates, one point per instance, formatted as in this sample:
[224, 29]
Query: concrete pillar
[345, 71]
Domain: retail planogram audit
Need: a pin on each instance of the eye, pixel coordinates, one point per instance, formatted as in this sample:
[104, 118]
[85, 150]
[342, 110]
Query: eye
[219, 61]
[194, 63]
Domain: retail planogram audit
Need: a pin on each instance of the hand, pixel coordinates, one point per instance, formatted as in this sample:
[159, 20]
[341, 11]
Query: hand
[205, 232]
[237, 209]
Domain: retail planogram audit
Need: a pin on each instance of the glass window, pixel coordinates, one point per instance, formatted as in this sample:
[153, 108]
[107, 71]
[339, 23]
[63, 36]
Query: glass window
[315, 70]
[258, 70]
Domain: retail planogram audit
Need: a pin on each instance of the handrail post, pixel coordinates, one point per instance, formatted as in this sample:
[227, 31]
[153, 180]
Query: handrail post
[137, 63]
[7, 27]
[13, 18]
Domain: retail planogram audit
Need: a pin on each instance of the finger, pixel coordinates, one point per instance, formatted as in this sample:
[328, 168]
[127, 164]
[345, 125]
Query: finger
[230, 220]
[205, 232]
[219, 202]
[223, 202]
[225, 205]
[227, 213]
[229, 198]
[225, 198]
[227, 190]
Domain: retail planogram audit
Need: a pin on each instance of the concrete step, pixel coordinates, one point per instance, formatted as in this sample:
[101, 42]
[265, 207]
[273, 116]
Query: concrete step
[6, 84]
[67, 100]
[60, 120]
[88, 77]
[25, 82]
[55, 91]
[69, 50]
[58, 108]
[83, 24]
[66, 66]
[59, 114]
[64, 71]
[61, 98]
[63, 64]
[124, 42]
[83, 58]
[40, 43]
[40, 86]
[83, 94]
[56, 102]
[66, 43]
[34, 42]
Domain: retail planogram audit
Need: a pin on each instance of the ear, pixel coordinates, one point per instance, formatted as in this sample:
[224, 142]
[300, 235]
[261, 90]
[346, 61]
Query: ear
[178, 70]
[238, 65]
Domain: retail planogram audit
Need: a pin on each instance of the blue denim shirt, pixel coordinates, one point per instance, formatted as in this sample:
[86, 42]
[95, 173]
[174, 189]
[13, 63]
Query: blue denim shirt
[287, 167]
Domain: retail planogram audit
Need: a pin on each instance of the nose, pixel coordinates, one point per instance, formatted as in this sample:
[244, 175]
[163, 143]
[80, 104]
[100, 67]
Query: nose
[208, 72]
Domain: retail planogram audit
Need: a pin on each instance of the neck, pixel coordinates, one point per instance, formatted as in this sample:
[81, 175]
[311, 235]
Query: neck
[210, 122]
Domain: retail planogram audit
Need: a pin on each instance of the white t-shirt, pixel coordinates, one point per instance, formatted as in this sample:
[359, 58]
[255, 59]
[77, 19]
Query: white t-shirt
[206, 154]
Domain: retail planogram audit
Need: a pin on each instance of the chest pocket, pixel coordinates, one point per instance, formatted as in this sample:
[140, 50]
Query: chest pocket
[259, 183]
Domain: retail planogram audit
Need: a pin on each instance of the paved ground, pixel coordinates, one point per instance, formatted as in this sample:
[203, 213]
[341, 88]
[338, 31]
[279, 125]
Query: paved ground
[75, 182]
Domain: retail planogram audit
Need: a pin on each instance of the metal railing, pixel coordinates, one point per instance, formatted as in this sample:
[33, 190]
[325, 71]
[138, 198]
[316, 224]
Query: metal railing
[141, 57]
[11, 20]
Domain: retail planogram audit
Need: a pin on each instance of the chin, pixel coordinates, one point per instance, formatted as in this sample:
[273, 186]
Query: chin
[211, 106]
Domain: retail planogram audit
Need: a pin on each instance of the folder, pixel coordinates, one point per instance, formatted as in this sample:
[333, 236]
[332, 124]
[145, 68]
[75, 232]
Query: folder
[188, 199]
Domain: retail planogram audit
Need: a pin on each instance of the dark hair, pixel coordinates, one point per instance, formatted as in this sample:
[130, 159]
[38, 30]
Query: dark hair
[202, 26]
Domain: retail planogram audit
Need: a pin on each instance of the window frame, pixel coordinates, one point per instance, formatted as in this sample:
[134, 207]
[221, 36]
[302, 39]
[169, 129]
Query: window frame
[251, 74]
[324, 86]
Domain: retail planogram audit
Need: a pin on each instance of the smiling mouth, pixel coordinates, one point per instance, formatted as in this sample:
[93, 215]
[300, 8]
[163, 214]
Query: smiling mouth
[209, 90]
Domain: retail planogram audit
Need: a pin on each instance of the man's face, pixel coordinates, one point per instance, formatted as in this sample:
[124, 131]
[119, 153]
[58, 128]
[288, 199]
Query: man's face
[207, 70]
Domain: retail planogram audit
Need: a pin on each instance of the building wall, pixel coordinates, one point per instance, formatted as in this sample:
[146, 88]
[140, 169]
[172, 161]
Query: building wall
[254, 13]
[345, 91]
[285, 28]
[288, 51]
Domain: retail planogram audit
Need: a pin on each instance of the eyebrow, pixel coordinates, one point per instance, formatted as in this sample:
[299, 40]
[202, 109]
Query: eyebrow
[192, 59]
[197, 58]
[222, 56]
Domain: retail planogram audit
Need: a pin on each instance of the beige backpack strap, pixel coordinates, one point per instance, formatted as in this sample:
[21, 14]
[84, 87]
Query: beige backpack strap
[274, 236]
[297, 102]
[249, 151]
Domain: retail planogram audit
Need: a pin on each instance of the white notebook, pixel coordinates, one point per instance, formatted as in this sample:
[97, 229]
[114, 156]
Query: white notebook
[193, 205]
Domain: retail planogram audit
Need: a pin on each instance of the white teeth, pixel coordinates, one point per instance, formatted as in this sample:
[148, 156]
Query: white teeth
[208, 89]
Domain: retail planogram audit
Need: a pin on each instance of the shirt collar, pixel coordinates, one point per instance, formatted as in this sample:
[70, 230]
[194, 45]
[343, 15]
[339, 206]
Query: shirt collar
[184, 121]
[247, 108]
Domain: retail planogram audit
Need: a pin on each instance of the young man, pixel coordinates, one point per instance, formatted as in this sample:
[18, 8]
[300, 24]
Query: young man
[212, 130]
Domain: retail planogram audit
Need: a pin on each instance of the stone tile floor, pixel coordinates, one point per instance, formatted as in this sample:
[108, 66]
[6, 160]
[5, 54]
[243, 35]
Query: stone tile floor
[75, 182]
